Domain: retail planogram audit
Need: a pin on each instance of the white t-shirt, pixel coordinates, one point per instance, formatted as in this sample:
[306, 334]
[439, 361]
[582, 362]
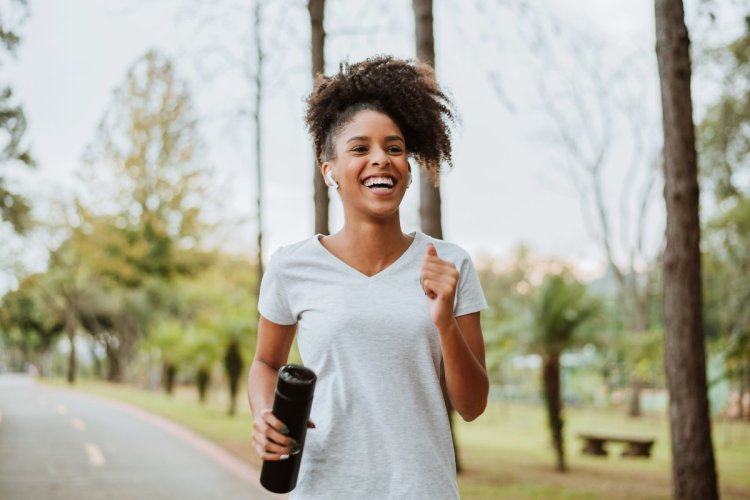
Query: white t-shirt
[382, 429]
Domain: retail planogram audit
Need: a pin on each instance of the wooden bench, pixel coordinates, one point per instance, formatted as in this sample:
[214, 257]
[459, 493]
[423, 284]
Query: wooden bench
[634, 446]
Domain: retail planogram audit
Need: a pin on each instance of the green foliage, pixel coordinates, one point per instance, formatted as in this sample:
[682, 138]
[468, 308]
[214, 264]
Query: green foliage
[26, 318]
[644, 355]
[724, 139]
[724, 147]
[558, 309]
[14, 208]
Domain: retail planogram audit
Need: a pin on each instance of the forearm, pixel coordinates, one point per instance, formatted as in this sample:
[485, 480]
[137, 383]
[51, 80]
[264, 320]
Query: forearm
[261, 386]
[465, 377]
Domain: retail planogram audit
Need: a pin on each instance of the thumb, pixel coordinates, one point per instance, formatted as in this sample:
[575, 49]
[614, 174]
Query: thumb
[431, 250]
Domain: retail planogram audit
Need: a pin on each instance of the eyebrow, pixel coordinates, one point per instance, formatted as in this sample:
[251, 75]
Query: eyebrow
[365, 138]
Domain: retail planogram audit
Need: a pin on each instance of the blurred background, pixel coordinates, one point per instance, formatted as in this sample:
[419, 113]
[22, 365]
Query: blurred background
[154, 156]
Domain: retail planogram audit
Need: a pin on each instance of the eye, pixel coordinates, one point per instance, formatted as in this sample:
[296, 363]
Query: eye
[395, 150]
[359, 149]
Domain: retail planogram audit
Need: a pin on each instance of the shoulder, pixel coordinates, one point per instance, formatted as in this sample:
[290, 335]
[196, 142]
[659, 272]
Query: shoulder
[294, 251]
[446, 250]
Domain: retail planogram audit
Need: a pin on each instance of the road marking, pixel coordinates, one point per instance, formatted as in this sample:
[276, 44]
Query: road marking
[96, 457]
[61, 410]
[78, 424]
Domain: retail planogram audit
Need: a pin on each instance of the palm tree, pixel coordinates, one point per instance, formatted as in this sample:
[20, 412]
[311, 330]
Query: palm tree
[558, 309]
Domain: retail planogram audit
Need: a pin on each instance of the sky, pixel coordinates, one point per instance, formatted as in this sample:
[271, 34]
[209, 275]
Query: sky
[509, 185]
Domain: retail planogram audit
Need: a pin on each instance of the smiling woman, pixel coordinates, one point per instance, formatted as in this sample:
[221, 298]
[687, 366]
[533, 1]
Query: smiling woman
[376, 310]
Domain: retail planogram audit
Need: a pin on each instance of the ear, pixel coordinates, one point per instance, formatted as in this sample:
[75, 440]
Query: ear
[325, 167]
[327, 171]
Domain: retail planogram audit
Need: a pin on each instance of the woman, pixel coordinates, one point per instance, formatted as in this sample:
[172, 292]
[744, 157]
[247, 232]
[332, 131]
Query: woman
[376, 309]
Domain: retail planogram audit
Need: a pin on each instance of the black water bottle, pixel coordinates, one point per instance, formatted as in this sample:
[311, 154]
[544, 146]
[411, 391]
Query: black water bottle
[291, 405]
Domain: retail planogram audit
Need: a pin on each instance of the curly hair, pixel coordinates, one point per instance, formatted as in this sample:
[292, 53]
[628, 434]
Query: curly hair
[405, 90]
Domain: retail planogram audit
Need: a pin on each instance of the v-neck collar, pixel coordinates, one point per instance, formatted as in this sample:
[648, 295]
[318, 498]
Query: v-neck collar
[387, 270]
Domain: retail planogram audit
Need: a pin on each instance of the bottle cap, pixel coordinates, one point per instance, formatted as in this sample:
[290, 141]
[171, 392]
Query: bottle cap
[296, 382]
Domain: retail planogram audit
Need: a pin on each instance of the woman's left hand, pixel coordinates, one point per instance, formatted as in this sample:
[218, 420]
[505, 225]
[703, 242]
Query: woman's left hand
[439, 282]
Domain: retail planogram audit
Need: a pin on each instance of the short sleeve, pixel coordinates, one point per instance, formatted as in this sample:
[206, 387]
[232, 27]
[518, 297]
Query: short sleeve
[273, 302]
[469, 294]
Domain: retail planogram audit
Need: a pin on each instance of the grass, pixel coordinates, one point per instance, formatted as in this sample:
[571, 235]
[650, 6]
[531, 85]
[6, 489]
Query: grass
[505, 452]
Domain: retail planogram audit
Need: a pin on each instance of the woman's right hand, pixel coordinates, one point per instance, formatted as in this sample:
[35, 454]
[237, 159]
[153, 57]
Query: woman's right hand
[270, 438]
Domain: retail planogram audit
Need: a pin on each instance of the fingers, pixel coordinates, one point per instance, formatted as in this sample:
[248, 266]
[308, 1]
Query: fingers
[311, 424]
[269, 450]
[431, 250]
[439, 280]
[269, 438]
[270, 419]
[435, 288]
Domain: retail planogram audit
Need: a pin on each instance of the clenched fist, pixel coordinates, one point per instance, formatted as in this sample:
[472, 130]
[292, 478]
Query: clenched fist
[439, 282]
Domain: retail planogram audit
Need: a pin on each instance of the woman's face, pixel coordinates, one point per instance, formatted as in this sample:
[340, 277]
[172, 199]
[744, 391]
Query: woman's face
[370, 165]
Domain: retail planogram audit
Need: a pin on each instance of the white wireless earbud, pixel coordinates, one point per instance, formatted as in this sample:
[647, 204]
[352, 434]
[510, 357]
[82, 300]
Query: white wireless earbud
[332, 182]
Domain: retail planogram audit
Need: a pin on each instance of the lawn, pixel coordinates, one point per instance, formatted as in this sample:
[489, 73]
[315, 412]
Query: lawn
[505, 452]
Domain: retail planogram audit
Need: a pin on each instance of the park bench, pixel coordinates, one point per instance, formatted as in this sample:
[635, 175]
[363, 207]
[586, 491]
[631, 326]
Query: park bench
[634, 446]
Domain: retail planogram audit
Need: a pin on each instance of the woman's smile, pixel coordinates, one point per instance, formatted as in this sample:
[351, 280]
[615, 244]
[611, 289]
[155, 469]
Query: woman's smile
[380, 184]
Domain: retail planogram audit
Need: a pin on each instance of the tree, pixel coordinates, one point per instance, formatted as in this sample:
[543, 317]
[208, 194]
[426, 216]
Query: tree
[600, 117]
[258, 84]
[150, 225]
[316, 9]
[595, 112]
[27, 323]
[429, 191]
[14, 208]
[559, 307]
[693, 464]
[724, 154]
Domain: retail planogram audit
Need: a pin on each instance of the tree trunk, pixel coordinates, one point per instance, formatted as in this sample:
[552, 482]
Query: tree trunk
[553, 402]
[114, 364]
[70, 330]
[316, 8]
[98, 370]
[233, 363]
[257, 122]
[170, 372]
[429, 195]
[72, 363]
[693, 465]
[634, 408]
[202, 379]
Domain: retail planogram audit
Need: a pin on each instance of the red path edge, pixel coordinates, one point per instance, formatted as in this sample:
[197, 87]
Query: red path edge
[208, 448]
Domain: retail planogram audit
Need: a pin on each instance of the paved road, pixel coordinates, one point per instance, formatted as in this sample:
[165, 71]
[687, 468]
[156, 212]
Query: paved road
[57, 444]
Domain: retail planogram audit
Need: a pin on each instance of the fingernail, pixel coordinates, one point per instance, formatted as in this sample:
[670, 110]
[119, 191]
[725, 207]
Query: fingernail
[284, 429]
[295, 447]
[284, 457]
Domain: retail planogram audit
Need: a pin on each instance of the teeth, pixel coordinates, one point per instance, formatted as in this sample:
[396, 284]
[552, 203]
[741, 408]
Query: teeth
[378, 180]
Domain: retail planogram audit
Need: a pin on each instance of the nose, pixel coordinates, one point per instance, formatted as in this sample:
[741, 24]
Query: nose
[379, 157]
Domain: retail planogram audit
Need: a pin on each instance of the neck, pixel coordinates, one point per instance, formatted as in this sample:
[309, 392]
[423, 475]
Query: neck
[377, 235]
[371, 245]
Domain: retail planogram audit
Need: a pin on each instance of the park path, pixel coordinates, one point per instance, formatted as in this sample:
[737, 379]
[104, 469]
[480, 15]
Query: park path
[57, 444]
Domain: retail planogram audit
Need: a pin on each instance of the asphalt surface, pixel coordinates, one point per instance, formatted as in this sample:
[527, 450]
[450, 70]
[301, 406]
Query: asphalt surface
[57, 444]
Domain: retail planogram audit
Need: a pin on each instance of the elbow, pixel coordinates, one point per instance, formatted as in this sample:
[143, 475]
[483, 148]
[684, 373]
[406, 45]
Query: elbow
[473, 413]
[476, 407]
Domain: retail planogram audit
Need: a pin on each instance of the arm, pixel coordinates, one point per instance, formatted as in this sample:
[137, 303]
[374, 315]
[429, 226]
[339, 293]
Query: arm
[460, 338]
[463, 357]
[271, 353]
